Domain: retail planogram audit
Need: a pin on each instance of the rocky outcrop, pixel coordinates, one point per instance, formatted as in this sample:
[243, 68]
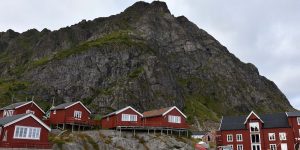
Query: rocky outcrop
[110, 139]
[143, 57]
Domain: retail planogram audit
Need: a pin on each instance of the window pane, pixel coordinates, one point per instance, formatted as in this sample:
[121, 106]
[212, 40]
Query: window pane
[17, 132]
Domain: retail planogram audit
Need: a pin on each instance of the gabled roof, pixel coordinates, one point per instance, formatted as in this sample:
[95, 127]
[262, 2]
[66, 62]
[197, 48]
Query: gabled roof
[121, 110]
[20, 104]
[13, 106]
[293, 114]
[69, 104]
[275, 120]
[7, 121]
[161, 112]
[252, 113]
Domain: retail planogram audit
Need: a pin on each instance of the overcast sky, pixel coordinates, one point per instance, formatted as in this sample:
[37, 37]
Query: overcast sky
[263, 32]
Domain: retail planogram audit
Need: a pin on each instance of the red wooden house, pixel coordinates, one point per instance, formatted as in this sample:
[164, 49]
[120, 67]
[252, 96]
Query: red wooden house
[170, 117]
[22, 108]
[71, 114]
[253, 132]
[23, 131]
[126, 117]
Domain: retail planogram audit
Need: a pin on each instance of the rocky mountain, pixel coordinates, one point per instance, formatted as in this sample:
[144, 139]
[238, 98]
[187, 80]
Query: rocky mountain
[111, 139]
[144, 57]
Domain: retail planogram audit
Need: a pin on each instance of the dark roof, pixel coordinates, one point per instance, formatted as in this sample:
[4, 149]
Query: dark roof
[6, 120]
[293, 114]
[156, 112]
[13, 106]
[199, 132]
[62, 106]
[276, 120]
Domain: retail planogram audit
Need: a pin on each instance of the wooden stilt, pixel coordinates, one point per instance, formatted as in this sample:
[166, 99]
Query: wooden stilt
[133, 132]
[148, 131]
[179, 132]
[161, 132]
[72, 127]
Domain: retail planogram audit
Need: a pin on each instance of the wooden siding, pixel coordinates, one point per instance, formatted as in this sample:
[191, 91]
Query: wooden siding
[20, 143]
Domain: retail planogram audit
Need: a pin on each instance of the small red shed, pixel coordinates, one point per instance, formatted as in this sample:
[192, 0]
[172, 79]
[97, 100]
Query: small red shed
[170, 117]
[124, 117]
[24, 131]
[22, 108]
[71, 113]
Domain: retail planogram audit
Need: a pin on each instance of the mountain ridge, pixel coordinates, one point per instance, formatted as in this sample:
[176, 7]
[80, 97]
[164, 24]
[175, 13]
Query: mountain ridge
[144, 57]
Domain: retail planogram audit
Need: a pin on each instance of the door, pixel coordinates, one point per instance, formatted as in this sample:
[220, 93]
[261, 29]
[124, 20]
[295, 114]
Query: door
[284, 146]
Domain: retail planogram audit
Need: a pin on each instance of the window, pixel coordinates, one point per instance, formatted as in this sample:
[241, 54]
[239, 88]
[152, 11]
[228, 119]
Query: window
[107, 118]
[77, 114]
[29, 111]
[282, 136]
[7, 113]
[129, 117]
[239, 137]
[174, 119]
[255, 147]
[272, 137]
[239, 147]
[229, 138]
[231, 147]
[298, 120]
[54, 112]
[273, 147]
[254, 126]
[22, 132]
[255, 138]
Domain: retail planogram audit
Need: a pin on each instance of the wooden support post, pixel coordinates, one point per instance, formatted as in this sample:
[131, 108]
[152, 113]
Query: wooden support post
[171, 131]
[63, 126]
[179, 132]
[120, 132]
[72, 127]
[187, 133]
[154, 131]
[133, 132]
[167, 132]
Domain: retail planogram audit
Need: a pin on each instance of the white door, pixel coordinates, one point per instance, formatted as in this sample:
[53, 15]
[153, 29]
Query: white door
[284, 146]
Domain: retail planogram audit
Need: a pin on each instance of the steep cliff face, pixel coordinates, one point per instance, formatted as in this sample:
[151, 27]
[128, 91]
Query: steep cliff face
[143, 57]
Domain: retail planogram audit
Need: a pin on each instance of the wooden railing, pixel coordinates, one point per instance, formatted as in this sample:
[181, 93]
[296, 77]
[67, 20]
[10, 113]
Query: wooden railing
[84, 122]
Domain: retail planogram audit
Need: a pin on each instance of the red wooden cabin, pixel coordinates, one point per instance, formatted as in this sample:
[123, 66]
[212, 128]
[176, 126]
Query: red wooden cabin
[124, 117]
[71, 113]
[170, 117]
[22, 108]
[23, 131]
[258, 132]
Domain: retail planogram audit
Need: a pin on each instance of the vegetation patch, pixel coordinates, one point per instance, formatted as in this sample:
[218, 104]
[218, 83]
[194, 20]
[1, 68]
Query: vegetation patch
[136, 73]
[88, 140]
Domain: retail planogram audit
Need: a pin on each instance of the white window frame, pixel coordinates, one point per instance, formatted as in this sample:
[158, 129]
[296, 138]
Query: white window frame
[29, 111]
[229, 135]
[273, 147]
[255, 145]
[77, 114]
[270, 137]
[54, 112]
[32, 133]
[258, 138]
[174, 119]
[255, 124]
[298, 120]
[129, 117]
[8, 113]
[282, 136]
[239, 137]
[240, 145]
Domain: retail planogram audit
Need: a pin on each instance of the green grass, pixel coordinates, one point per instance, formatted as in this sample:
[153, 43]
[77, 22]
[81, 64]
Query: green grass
[135, 73]
[117, 38]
